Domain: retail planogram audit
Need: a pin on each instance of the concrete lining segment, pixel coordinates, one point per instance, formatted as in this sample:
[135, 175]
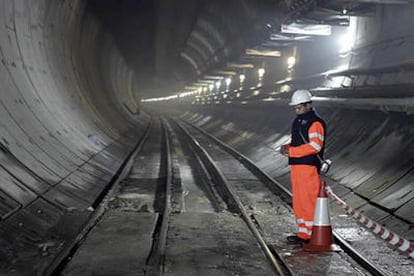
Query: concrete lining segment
[212, 244]
[63, 131]
[366, 148]
[118, 245]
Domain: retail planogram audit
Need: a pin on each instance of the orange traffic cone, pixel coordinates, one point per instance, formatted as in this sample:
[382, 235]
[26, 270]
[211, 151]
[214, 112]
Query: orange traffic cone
[322, 239]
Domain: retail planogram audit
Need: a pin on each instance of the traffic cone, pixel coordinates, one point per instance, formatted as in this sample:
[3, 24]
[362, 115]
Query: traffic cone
[321, 239]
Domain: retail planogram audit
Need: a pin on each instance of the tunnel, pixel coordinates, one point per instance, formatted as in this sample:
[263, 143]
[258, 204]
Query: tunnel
[82, 80]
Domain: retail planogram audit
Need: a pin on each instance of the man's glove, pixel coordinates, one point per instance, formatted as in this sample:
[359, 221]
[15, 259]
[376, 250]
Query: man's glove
[284, 150]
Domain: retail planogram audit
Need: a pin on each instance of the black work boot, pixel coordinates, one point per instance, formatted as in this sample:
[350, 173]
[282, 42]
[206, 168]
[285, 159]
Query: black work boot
[296, 240]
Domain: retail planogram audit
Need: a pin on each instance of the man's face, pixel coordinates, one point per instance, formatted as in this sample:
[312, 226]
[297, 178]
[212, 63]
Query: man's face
[302, 108]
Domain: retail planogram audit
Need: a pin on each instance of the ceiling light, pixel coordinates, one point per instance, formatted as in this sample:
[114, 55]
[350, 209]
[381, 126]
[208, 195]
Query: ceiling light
[240, 65]
[291, 61]
[242, 77]
[261, 72]
[267, 53]
[218, 84]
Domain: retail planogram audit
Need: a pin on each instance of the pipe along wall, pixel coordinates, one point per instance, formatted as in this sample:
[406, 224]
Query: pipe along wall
[69, 119]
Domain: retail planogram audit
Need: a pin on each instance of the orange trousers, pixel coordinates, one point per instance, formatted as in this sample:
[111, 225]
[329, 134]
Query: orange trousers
[305, 189]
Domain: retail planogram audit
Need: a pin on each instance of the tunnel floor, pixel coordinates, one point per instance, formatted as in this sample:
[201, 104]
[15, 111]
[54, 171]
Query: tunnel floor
[203, 237]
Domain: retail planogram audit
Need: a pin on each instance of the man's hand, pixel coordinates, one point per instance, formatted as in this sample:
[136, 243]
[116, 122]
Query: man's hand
[284, 150]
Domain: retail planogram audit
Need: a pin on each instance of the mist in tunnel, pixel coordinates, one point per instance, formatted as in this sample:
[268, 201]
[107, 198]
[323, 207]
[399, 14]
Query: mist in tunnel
[73, 74]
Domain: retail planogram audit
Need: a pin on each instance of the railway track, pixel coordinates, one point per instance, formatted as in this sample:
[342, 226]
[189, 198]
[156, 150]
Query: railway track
[211, 210]
[285, 194]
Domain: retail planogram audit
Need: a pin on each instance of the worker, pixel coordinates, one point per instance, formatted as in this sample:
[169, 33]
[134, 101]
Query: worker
[305, 151]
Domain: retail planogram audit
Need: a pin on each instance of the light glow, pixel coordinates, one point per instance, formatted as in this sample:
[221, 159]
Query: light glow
[347, 41]
[261, 72]
[291, 61]
[242, 78]
[218, 84]
[160, 99]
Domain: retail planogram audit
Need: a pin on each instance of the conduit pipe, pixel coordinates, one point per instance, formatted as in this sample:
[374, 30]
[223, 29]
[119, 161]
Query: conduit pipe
[405, 105]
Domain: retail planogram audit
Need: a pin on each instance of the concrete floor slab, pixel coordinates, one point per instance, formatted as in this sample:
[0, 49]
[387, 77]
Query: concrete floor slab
[212, 244]
[118, 245]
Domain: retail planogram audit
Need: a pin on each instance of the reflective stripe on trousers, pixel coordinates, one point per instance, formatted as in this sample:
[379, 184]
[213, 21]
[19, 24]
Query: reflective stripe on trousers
[305, 189]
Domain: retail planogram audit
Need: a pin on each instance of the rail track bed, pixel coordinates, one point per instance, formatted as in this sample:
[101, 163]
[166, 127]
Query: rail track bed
[187, 205]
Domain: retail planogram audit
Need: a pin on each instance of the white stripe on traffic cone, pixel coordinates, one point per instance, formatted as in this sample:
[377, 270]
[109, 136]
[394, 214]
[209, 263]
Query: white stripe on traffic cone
[322, 239]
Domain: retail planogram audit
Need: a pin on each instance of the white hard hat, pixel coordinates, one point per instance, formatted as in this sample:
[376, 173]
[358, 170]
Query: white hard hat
[300, 97]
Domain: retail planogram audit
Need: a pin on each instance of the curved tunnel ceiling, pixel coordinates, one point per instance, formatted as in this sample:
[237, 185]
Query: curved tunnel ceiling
[170, 44]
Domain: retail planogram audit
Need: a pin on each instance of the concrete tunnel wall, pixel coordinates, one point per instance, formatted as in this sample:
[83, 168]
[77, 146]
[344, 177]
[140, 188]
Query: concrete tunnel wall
[67, 122]
[370, 124]
[372, 154]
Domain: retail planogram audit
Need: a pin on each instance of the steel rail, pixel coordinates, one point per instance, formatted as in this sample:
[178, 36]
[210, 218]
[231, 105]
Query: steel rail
[239, 205]
[155, 261]
[63, 257]
[214, 196]
[368, 265]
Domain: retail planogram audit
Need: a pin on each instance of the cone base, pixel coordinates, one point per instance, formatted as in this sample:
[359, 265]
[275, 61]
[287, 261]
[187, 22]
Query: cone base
[321, 248]
[321, 240]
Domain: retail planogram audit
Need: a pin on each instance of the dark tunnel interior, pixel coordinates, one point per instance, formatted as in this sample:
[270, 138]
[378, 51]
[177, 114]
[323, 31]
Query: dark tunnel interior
[80, 81]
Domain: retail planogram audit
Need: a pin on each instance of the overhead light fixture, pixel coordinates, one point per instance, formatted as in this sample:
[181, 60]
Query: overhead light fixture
[291, 61]
[218, 84]
[241, 65]
[190, 88]
[261, 72]
[347, 41]
[198, 84]
[226, 73]
[242, 78]
[212, 77]
[228, 81]
[306, 29]
[267, 53]
[206, 81]
[160, 99]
